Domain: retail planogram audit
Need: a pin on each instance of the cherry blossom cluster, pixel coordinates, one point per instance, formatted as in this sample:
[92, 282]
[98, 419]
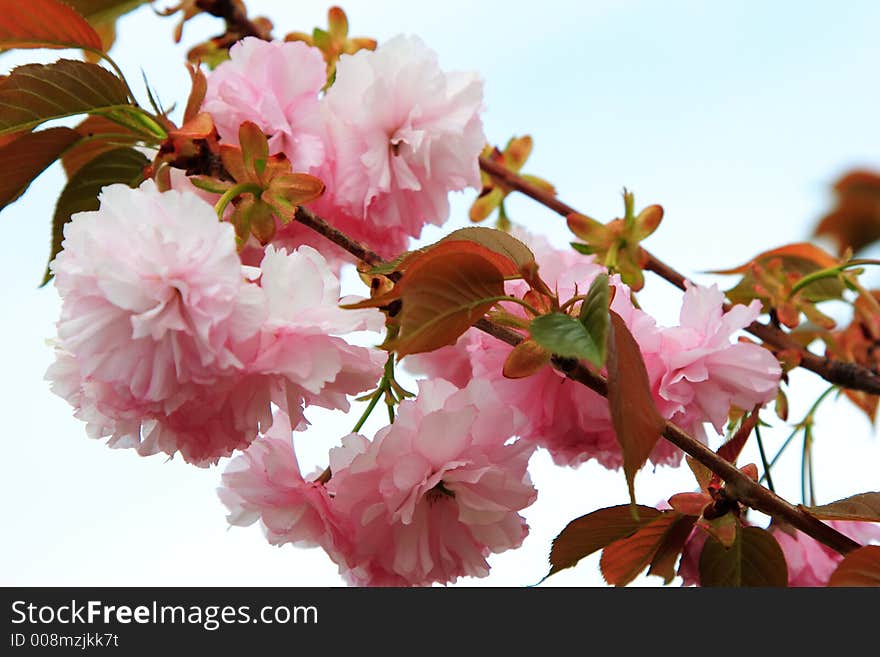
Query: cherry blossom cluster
[172, 340]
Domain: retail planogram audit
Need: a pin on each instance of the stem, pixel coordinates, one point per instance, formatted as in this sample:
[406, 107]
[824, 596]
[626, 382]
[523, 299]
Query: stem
[803, 424]
[373, 401]
[764, 460]
[848, 375]
[232, 192]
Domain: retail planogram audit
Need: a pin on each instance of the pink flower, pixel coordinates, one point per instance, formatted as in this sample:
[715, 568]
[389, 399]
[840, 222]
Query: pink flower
[298, 351]
[404, 134]
[167, 343]
[810, 563]
[434, 493]
[150, 286]
[705, 372]
[275, 85]
[265, 483]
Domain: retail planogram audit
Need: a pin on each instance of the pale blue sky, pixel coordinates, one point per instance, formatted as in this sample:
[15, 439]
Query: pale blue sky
[735, 117]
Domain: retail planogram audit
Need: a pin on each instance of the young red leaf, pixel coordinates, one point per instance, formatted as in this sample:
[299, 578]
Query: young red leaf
[497, 241]
[44, 24]
[864, 506]
[625, 558]
[663, 563]
[99, 135]
[27, 157]
[443, 293]
[594, 531]
[525, 359]
[691, 504]
[854, 222]
[123, 165]
[730, 450]
[637, 423]
[197, 92]
[35, 93]
[754, 559]
[859, 568]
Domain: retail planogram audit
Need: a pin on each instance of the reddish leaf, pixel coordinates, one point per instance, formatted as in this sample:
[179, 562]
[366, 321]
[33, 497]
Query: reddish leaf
[802, 252]
[27, 157]
[855, 220]
[99, 136]
[585, 535]
[864, 506]
[504, 244]
[859, 568]
[197, 93]
[754, 559]
[443, 292]
[689, 503]
[730, 450]
[44, 24]
[624, 559]
[637, 423]
[35, 93]
[663, 563]
[525, 359]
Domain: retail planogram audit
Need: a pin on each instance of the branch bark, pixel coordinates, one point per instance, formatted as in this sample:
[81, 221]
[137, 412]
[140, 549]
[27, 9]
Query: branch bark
[739, 485]
[845, 374]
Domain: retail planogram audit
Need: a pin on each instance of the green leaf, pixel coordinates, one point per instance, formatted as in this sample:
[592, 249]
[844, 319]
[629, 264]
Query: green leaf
[565, 336]
[859, 568]
[637, 423]
[624, 559]
[583, 249]
[594, 313]
[28, 156]
[123, 165]
[585, 535]
[755, 559]
[864, 506]
[44, 24]
[35, 93]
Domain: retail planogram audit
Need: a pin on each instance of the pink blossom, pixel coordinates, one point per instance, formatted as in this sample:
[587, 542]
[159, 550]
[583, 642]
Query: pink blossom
[150, 286]
[706, 373]
[434, 493]
[404, 134]
[275, 85]
[167, 343]
[810, 563]
[265, 483]
[298, 351]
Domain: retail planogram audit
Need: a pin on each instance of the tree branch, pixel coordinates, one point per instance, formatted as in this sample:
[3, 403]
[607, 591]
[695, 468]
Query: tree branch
[842, 373]
[739, 485]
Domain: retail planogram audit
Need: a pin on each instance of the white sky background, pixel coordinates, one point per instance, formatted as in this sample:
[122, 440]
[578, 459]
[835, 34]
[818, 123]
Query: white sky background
[735, 117]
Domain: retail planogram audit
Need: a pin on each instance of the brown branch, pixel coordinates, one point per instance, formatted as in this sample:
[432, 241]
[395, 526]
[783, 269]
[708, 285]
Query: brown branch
[739, 485]
[842, 373]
